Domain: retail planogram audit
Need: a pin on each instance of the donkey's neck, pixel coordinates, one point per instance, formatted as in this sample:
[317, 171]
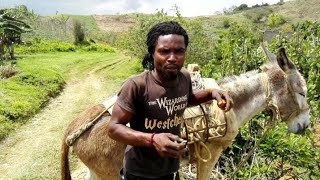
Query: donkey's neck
[249, 95]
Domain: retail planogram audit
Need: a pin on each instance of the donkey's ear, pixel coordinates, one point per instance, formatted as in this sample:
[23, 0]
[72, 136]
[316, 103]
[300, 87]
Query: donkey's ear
[271, 57]
[283, 61]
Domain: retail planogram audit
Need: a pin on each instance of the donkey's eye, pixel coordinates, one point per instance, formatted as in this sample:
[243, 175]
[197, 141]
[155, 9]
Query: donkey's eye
[302, 94]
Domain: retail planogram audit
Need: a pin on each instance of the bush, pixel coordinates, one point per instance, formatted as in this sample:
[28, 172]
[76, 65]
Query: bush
[37, 45]
[98, 48]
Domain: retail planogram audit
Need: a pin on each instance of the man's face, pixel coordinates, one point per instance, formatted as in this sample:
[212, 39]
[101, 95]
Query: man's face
[169, 55]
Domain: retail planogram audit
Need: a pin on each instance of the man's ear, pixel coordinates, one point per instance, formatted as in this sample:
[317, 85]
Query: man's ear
[283, 61]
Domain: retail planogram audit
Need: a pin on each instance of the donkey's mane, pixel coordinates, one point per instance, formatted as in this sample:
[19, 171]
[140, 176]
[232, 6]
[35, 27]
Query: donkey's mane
[229, 79]
[265, 67]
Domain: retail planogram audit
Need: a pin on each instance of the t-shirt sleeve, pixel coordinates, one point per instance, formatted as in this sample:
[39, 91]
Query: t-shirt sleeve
[127, 95]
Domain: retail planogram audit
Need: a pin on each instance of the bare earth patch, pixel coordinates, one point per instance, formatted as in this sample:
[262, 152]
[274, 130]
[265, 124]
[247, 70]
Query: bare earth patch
[116, 24]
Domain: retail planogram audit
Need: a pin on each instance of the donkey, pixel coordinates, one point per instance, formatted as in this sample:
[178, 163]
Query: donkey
[278, 86]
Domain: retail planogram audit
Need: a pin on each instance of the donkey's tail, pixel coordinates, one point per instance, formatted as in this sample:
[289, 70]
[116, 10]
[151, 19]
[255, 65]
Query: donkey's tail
[65, 171]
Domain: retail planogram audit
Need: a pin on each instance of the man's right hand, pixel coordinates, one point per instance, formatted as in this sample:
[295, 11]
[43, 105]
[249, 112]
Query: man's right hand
[168, 144]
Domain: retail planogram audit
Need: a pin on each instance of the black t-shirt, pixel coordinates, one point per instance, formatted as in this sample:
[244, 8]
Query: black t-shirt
[156, 108]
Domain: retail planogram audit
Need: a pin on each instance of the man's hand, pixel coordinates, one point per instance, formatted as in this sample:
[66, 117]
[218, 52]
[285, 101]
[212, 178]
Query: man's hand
[223, 99]
[168, 145]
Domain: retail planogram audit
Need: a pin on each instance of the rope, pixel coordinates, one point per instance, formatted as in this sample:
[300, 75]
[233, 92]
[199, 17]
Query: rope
[275, 115]
[198, 136]
[196, 80]
[76, 134]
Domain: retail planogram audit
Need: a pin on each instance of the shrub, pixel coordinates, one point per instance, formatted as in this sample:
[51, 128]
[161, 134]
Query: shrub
[275, 20]
[226, 23]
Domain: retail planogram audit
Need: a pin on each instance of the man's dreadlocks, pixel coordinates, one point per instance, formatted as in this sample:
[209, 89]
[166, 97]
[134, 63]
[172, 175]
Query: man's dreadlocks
[164, 28]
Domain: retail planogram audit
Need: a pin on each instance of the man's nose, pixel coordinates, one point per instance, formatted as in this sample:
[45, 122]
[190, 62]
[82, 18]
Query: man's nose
[172, 57]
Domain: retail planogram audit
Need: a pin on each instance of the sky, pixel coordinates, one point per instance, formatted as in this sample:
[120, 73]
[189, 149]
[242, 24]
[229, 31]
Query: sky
[188, 8]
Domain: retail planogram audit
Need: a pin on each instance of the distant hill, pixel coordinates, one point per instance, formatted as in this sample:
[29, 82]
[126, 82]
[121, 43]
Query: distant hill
[291, 11]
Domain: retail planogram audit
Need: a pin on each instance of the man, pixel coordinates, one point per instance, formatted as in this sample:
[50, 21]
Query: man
[153, 103]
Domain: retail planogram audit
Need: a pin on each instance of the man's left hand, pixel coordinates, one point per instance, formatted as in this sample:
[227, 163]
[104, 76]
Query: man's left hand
[223, 99]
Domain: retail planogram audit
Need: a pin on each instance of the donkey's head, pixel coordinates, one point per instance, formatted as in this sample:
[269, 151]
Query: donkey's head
[288, 91]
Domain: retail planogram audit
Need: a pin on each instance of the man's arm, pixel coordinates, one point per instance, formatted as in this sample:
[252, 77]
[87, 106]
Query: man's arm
[166, 144]
[118, 130]
[205, 95]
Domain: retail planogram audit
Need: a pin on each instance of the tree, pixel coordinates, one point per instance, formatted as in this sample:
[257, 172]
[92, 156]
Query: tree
[78, 33]
[10, 32]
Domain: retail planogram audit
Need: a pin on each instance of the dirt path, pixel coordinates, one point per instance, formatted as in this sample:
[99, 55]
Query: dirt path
[33, 152]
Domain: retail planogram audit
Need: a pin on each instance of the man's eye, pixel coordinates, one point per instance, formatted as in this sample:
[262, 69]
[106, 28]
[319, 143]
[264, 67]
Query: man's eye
[180, 51]
[164, 51]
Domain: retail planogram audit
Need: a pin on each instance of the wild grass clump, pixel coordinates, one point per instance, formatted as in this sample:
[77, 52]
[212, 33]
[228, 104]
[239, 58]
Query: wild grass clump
[7, 71]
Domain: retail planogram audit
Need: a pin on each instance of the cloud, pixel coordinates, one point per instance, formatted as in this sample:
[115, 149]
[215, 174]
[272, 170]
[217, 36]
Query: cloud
[105, 7]
[114, 7]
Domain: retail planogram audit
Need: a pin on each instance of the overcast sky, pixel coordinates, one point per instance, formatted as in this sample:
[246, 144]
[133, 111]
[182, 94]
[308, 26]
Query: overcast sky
[107, 7]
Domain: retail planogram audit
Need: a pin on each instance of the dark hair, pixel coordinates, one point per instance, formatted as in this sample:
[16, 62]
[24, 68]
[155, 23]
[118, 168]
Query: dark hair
[160, 29]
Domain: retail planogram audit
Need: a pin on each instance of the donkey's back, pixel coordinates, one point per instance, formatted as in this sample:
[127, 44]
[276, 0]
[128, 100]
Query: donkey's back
[101, 154]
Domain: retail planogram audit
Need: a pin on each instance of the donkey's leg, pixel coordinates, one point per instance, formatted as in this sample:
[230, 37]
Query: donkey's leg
[204, 169]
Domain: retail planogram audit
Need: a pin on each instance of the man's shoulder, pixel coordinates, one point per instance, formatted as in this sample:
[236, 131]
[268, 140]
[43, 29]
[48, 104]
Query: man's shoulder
[139, 78]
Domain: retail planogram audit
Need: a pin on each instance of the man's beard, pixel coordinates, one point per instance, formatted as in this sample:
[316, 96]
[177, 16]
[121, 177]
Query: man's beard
[170, 76]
